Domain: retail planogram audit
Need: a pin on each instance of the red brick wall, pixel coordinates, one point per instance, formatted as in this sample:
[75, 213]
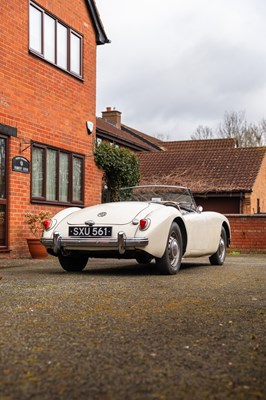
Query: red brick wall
[248, 233]
[258, 195]
[45, 104]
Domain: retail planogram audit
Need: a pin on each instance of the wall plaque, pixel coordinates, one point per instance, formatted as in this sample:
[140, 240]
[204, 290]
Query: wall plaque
[20, 164]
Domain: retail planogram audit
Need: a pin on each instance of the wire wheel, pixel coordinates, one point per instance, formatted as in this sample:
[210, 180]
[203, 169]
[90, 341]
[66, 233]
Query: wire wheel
[170, 262]
[219, 257]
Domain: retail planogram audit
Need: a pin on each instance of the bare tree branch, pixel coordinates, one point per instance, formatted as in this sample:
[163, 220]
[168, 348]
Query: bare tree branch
[235, 126]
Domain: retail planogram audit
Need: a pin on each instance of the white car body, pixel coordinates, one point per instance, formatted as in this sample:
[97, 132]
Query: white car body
[75, 231]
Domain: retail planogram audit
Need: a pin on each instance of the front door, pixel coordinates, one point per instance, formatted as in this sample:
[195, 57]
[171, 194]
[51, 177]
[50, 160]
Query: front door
[3, 192]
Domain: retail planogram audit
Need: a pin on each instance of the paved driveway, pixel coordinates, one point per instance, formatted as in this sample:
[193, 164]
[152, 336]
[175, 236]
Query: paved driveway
[120, 331]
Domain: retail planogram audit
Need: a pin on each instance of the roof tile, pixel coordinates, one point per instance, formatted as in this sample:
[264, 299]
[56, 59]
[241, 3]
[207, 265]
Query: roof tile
[127, 138]
[216, 170]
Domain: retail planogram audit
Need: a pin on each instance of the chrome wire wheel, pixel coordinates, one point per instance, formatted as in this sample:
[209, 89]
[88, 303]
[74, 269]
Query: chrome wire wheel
[219, 257]
[173, 250]
[222, 249]
[170, 262]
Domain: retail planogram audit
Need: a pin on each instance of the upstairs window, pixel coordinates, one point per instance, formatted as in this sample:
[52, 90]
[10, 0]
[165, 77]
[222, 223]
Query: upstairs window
[54, 41]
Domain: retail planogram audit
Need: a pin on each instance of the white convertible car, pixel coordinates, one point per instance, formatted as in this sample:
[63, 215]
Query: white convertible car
[149, 222]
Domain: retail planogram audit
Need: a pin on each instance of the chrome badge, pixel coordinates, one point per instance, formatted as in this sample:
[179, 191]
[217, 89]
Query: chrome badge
[89, 222]
[101, 214]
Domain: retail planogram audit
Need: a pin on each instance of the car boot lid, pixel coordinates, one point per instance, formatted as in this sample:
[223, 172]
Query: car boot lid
[110, 213]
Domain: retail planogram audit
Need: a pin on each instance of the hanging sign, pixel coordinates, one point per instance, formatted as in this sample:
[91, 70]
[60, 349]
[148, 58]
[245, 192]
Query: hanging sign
[20, 164]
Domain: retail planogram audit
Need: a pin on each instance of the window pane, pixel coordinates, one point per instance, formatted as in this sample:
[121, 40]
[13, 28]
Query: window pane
[2, 168]
[61, 46]
[35, 29]
[49, 38]
[51, 175]
[63, 176]
[75, 46]
[37, 172]
[77, 179]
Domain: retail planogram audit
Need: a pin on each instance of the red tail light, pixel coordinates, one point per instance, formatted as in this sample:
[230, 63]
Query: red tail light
[144, 224]
[47, 224]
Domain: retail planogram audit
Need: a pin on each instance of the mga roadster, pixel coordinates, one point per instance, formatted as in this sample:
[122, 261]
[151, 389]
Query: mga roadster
[160, 223]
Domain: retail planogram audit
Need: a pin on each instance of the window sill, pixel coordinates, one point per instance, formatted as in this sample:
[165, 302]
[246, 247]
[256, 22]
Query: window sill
[57, 203]
[5, 250]
[79, 78]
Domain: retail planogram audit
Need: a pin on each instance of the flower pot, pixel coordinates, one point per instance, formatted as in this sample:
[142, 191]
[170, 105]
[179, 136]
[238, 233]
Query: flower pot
[36, 249]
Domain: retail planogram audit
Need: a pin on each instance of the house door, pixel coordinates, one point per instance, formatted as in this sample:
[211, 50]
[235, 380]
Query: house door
[3, 192]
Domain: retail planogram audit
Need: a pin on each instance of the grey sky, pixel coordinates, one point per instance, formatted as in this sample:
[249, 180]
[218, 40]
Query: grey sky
[175, 64]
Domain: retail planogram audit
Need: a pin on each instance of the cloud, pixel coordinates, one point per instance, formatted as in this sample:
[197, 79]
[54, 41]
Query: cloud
[176, 64]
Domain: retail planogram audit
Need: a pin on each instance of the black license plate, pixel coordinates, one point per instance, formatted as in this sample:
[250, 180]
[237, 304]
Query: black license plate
[90, 231]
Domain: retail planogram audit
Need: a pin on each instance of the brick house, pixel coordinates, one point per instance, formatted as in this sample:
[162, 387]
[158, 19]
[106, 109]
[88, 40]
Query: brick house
[110, 128]
[47, 111]
[222, 177]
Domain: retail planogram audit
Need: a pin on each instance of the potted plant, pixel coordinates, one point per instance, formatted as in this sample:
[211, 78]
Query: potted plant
[35, 222]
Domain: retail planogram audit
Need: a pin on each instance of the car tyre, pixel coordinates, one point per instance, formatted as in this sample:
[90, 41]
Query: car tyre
[219, 257]
[170, 262]
[73, 263]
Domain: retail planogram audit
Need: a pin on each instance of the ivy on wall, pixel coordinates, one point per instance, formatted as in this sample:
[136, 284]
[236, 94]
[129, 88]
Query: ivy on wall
[120, 166]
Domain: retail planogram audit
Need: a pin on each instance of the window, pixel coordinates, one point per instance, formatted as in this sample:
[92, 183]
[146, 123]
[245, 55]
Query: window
[54, 41]
[57, 175]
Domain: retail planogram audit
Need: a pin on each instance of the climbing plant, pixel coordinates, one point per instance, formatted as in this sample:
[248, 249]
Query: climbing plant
[120, 166]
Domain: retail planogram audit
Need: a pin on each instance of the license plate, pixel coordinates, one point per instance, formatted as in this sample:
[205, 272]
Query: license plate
[90, 231]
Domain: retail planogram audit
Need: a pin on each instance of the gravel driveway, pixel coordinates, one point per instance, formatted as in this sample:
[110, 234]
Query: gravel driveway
[120, 331]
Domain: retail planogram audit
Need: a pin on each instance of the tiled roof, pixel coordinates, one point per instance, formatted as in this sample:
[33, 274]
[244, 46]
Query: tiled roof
[196, 145]
[146, 138]
[122, 136]
[216, 170]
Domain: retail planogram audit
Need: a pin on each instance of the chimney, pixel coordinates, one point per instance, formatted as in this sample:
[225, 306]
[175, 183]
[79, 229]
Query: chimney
[112, 116]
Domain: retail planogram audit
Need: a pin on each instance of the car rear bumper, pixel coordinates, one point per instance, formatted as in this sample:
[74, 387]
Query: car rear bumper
[121, 243]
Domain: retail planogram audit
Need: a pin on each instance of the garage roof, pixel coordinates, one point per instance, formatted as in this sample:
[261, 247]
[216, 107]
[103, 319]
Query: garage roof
[216, 170]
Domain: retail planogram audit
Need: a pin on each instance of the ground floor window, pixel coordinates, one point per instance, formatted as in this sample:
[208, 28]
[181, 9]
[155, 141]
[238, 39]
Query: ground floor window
[57, 175]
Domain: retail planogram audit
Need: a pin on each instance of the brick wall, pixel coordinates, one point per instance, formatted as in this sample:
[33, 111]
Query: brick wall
[258, 197]
[248, 233]
[46, 105]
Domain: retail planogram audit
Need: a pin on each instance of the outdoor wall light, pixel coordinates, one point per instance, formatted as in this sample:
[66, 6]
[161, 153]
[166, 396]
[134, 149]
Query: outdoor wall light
[89, 126]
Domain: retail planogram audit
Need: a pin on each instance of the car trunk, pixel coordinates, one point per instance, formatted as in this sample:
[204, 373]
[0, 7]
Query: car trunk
[108, 213]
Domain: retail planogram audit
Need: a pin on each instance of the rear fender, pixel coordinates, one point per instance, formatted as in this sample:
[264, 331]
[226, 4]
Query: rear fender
[57, 219]
[161, 221]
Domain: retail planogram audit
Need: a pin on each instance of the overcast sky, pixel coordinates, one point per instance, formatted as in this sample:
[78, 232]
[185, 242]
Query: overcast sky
[175, 64]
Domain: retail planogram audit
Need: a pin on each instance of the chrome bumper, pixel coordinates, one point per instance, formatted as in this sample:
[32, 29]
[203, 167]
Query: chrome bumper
[121, 243]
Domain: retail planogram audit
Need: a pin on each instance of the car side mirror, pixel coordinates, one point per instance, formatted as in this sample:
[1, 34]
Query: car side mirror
[199, 209]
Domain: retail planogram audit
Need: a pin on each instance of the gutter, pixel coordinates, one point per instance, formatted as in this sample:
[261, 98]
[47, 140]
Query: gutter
[101, 37]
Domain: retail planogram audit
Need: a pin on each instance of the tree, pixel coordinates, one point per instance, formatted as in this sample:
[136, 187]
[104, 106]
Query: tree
[233, 126]
[120, 166]
[236, 127]
[202, 132]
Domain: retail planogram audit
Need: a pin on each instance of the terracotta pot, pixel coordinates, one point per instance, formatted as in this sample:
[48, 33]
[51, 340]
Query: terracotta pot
[37, 250]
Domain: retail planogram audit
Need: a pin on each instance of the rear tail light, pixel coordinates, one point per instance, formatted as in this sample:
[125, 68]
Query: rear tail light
[47, 224]
[144, 224]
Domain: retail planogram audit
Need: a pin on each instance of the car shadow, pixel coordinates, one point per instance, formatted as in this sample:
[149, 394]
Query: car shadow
[132, 269]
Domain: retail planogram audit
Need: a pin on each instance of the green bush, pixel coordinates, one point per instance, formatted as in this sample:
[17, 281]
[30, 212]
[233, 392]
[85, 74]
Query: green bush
[120, 166]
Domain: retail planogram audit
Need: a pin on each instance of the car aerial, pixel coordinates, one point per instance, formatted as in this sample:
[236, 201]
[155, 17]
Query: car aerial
[152, 222]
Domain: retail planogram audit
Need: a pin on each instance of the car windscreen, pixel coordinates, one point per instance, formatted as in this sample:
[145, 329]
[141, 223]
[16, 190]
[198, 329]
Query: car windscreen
[158, 194]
